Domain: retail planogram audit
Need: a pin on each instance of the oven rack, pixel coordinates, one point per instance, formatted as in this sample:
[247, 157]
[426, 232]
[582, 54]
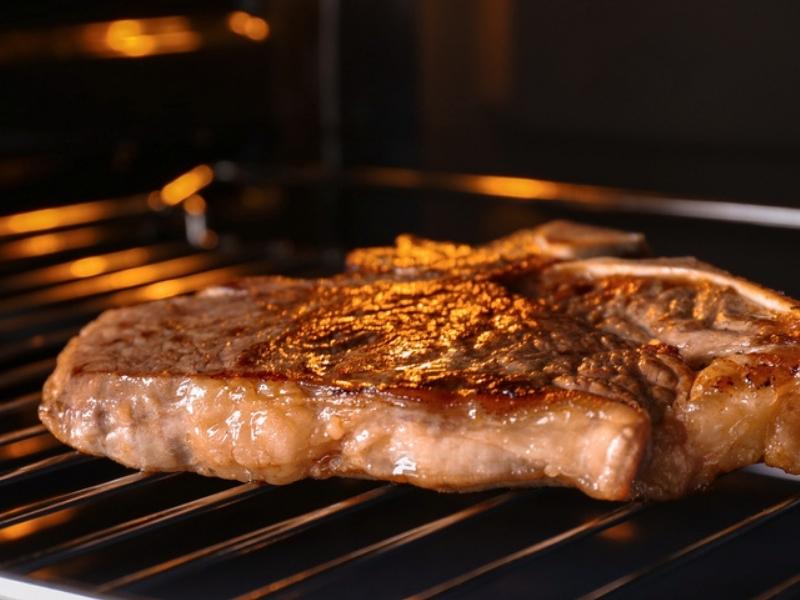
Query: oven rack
[75, 526]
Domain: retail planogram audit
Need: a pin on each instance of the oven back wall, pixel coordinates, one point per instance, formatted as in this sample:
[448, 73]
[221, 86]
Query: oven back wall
[690, 98]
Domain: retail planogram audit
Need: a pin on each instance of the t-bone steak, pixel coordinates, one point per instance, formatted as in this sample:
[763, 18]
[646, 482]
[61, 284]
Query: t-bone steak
[535, 359]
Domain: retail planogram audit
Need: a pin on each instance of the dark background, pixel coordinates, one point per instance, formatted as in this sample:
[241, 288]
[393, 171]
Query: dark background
[697, 99]
[691, 98]
[79, 126]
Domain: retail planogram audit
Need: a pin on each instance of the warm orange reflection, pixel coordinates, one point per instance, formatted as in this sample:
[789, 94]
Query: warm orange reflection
[495, 37]
[195, 205]
[522, 188]
[86, 267]
[73, 214]
[133, 38]
[162, 289]
[127, 37]
[185, 185]
[515, 187]
[26, 528]
[249, 26]
[50, 218]
[107, 283]
[49, 243]
[41, 244]
[210, 239]
[403, 178]
[82, 267]
[181, 285]
[624, 532]
[94, 265]
[154, 201]
[27, 447]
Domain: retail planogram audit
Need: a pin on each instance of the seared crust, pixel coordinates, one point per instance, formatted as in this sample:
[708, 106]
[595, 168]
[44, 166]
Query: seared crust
[524, 251]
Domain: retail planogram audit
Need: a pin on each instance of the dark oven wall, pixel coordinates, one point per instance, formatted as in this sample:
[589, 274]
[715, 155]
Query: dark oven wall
[102, 98]
[688, 98]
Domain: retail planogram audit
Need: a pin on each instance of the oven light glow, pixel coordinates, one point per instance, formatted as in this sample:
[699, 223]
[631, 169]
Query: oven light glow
[162, 289]
[134, 38]
[127, 37]
[249, 26]
[48, 243]
[83, 267]
[186, 185]
[195, 205]
[38, 245]
[49, 218]
[65, 216]
[515, 187]
[86, 267]
[108, 282]
[26, 528]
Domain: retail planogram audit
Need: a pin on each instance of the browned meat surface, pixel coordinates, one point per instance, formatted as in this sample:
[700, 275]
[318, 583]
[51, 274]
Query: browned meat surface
[449, 367]
[702, 311]
[742, 340]
[520, 252]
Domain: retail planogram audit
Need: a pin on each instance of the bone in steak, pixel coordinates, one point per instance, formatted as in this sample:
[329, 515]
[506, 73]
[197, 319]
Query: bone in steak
[520, 362]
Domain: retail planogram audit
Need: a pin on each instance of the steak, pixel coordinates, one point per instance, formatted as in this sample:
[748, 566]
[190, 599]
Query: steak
[530, 360]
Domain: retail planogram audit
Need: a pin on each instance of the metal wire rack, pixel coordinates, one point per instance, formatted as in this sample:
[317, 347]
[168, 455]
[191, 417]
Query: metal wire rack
[75, 526]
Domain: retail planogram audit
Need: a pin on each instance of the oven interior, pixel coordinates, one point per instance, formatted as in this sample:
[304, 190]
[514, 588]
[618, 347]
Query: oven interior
[175, 145]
